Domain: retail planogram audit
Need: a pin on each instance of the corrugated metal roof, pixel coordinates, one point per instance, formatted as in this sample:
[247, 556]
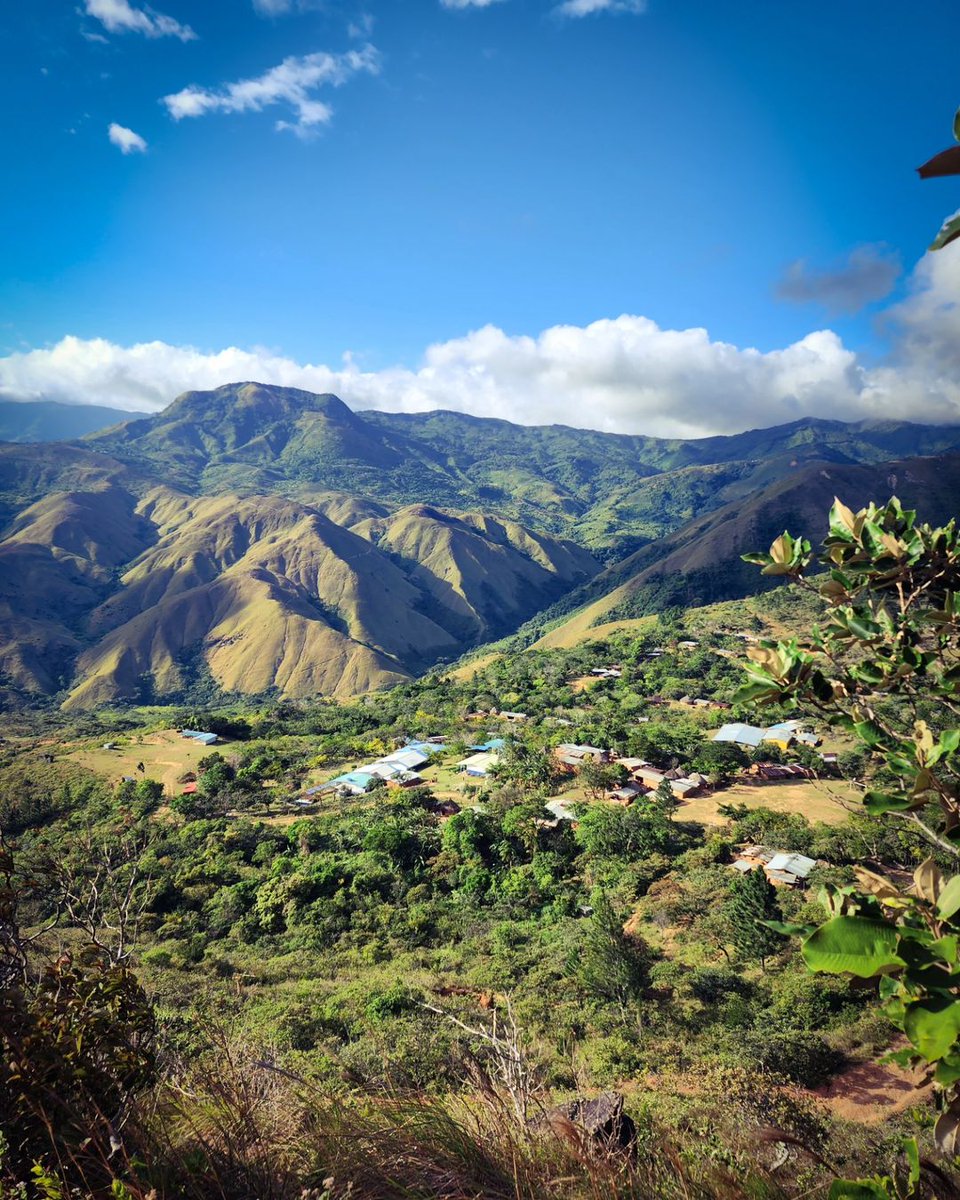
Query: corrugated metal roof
[357, 779]
[795, 864]
[479, 764]
[386, 770]
[560, 810]
[744, 735]
[407, 758]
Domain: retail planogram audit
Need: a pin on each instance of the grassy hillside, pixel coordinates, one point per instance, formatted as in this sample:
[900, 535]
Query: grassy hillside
[337, 986]
[610, 492]
[260, 539]
[120, 598]
[701, 563]
[49, 421]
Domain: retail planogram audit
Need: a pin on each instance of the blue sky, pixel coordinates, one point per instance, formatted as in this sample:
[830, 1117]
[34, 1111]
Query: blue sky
[507, 164]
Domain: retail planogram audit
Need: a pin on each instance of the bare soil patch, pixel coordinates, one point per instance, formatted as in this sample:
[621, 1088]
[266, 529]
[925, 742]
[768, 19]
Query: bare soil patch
[816, 799]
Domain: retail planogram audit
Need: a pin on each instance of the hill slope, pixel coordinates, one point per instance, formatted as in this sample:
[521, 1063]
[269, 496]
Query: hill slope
[124, 598]
[260, 538]
[701, 563]
[50, 421]
[611, 492]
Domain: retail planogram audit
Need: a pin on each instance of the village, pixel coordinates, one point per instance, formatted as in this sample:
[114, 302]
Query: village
[782, 766]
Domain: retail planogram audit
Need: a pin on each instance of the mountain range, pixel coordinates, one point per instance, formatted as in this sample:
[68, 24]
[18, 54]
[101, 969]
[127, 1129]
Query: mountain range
[267, 540]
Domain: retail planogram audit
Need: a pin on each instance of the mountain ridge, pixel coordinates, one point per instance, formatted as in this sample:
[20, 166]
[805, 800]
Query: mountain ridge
[272, 540]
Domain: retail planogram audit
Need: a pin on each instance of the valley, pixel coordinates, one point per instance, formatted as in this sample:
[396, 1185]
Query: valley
[265, 541]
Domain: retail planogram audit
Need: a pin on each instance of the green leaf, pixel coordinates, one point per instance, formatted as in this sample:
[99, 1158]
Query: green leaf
[912, 1154]
[853, 945]
[878, 803]
[948, 1070]
[949, 231]
[949, 900]
[948, 744]
[869, 732]
[956, 126]
[859, 1189]
[933, 1025]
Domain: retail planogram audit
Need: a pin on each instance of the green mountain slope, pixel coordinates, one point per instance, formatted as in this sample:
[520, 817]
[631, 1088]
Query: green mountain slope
[259, 538]
[611, 492]
[701, 563]
[50, 421]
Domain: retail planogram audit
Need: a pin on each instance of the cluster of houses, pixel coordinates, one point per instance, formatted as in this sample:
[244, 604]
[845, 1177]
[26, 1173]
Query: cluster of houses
[644, 776]
[396, 770]
[784, 734]
[484, 714]
[783, 868]
[614, 672]
[482, 758]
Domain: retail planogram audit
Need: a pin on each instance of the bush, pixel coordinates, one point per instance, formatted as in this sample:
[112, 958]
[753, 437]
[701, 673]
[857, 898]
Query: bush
[804, 1058]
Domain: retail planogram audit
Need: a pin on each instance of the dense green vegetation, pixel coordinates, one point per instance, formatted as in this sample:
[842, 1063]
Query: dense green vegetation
[298, 968]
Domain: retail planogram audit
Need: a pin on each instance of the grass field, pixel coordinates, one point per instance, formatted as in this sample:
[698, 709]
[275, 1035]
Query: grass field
[468, 670]
[816, 799]
[165, 755]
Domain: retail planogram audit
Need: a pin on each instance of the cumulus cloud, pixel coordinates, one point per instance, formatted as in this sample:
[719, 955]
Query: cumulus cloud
[467, 3]
[126, 139]
[119, 16]
[623, 375]
[588, 8]
[291, 84]
[868, 274]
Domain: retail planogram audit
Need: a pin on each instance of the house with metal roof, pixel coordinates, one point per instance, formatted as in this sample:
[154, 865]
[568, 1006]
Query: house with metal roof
[784, 868]
[354, 782]
[742, 735]
[409, 758]
[477, 765]
[196, 735]
[429, 747]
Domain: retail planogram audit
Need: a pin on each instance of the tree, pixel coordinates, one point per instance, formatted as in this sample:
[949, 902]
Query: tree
[598, 778]
[611, 964]
[885, 666]
[753, 903]
[77, 1041]
[947, 162]
[664, 798]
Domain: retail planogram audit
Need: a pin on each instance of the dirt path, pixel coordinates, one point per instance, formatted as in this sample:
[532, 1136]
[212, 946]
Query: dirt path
[871, 1092]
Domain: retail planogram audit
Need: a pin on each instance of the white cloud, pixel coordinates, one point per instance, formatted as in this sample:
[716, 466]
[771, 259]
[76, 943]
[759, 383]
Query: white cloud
[866, 275]
[625, 375]
[126, 139]
[467, 3]
[588, 8]
[279, 8]
[292, 84]
[119, 16]
[362, 27]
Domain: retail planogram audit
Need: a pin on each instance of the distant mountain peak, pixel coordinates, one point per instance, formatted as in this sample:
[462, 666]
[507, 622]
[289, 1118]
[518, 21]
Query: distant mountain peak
[265, 400]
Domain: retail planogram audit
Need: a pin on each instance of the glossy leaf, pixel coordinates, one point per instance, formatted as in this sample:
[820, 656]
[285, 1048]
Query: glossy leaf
[853, 945]
[949, 899]
[933, 1026]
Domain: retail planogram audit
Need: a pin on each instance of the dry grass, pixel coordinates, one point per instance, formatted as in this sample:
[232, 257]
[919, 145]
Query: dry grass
[829, 801]
[472, 668]
[166, 756]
